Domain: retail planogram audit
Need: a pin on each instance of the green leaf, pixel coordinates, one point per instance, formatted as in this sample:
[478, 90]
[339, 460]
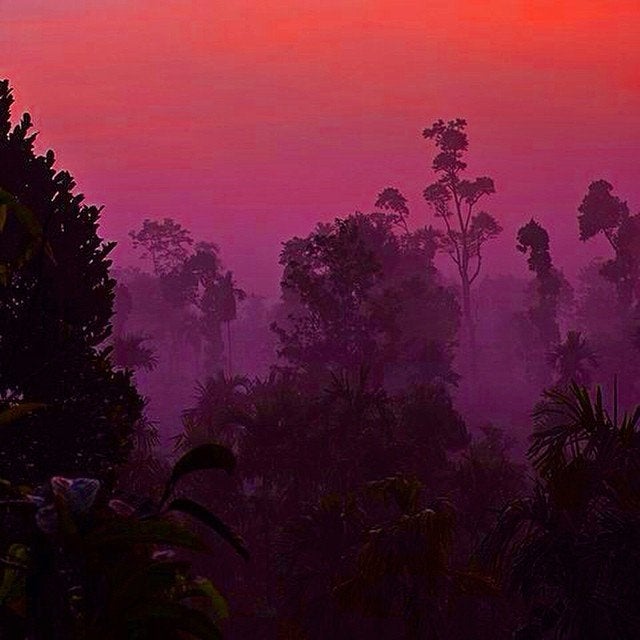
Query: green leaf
[206, 456]
[197, 511]
[201, 587]
[13, 578]
[3, 216]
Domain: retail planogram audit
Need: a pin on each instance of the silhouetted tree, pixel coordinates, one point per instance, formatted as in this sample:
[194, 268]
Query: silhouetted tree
[454, 199]
[356, 294]
[190, 296]
[198, 283]
[56, 300]
[573, 360]
[392, 201]
[164, 242]
[533, 240]
[601, 212]
[226, 296]
[193, 277]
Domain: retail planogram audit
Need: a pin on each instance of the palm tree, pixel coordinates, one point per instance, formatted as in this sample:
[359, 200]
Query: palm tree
[226, 295]
[570, 550]
[129, 352]
[572, 360]
[219, 400]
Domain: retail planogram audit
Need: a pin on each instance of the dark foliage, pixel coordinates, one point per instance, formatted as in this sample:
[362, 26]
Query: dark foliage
[337, 482]
[601, 212]
[570, 549]
[357, 295]
[542, 331]
[130, 352]
[85, 564]
[56, 300]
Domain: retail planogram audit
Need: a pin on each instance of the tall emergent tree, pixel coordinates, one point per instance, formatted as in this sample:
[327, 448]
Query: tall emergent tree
[453, 199]
[56, 298]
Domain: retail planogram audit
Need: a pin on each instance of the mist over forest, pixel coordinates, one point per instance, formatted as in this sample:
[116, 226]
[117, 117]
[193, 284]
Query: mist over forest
[289, 351]
[378, 296]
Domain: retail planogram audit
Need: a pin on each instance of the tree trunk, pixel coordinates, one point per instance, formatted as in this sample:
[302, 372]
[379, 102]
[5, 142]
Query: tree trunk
[229, 363]
[469, 328]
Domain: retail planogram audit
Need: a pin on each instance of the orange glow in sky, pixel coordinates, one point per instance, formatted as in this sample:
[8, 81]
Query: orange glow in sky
[250, 120]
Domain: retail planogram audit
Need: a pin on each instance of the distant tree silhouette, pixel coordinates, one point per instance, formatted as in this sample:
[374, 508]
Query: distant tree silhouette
[392, 201]
[533, 240]
[573, 360]
[56, 300]
[226, 297]
[164, 242]
[201, 282]
[190, 290]
[453, 199]
[601, 212]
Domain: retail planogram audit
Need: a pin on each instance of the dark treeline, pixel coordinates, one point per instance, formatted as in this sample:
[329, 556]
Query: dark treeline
[387, 452]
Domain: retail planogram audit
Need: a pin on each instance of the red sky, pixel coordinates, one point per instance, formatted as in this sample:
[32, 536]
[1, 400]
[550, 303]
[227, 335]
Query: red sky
[250, 120]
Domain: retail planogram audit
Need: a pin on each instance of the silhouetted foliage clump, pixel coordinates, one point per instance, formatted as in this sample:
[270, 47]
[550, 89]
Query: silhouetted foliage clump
[570, 549]
[601, 212]
[356, 294]
[56, 299]
[83, 562]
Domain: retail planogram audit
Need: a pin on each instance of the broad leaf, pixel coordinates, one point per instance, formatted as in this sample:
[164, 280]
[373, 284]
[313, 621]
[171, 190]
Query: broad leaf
[203, 588]
[206, 456]
[197, 511]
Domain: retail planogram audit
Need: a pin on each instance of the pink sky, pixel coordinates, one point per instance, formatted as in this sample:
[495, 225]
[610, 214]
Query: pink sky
[250, 120]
